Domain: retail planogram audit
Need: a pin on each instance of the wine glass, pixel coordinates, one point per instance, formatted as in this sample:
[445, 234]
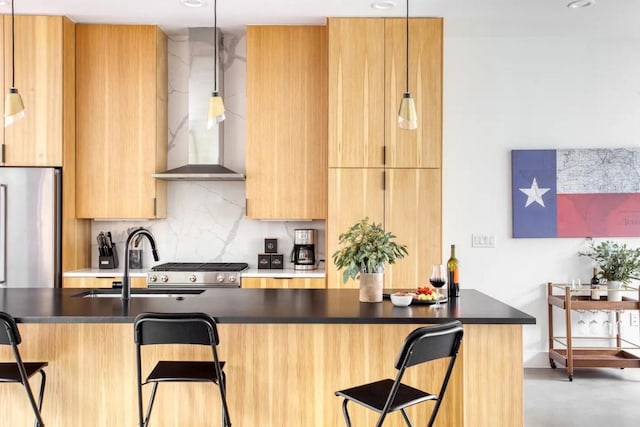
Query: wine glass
[582, 325]
[607, 327]
[437, 278]
[593, 325]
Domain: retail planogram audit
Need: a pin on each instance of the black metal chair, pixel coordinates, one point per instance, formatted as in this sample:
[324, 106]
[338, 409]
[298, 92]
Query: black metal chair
[19, 372]
[179, 328]
[422, 345]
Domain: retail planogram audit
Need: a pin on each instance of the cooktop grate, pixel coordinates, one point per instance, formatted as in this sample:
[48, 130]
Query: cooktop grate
[201, 266]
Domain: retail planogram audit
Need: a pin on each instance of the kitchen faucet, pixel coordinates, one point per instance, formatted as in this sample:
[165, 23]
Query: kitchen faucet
[126, 288]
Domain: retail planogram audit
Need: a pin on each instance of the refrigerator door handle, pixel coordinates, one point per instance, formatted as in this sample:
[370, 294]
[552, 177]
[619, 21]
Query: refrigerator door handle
[3, 234]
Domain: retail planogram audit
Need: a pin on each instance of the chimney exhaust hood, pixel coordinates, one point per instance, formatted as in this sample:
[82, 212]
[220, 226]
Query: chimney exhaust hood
[206, 146]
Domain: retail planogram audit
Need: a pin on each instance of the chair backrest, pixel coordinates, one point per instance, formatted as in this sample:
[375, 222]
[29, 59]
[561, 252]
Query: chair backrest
[175, 328]
[9, 334]
[430, 343]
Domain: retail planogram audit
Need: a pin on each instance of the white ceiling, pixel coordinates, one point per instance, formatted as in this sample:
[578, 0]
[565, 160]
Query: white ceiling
[607, 18]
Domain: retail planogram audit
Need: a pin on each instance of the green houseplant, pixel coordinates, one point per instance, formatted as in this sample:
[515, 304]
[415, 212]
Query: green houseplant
[364, 250]
[618, 264]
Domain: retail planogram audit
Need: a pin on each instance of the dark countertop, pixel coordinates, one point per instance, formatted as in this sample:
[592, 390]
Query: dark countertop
[36, 305]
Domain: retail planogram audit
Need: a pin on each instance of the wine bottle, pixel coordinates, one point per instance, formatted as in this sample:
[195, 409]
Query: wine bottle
[595, 285]
[453, 273]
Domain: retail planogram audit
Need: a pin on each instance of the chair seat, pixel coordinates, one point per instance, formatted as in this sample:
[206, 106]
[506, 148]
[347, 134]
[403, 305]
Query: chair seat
[374, 395]
[9, 371]
[197, 371]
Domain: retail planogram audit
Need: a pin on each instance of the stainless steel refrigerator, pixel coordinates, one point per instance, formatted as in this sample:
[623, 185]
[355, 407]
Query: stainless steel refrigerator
[30, 227]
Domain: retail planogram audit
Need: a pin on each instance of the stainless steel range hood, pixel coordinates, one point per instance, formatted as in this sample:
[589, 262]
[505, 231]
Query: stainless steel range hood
[206, 146]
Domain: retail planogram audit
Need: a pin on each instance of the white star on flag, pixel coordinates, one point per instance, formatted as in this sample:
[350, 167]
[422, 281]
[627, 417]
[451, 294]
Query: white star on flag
[534, 194]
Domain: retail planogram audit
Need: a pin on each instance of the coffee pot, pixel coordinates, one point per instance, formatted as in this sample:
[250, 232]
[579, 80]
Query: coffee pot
[303, 254]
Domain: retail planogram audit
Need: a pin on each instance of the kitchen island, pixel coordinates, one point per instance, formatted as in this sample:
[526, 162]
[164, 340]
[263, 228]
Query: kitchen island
[287, 352]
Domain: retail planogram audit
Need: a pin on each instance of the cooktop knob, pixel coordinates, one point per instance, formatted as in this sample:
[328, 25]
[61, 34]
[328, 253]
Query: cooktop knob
[153, 278]
[232, 278]
[220, 278]
[192, 278]
[164, 278]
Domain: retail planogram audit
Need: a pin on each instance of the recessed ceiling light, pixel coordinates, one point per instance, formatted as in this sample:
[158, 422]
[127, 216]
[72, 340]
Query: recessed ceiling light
[193, 3]
[3, 3]
[383, 4]
[579, 4]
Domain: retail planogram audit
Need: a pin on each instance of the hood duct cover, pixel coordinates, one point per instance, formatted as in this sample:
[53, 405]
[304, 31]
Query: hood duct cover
[206, 146]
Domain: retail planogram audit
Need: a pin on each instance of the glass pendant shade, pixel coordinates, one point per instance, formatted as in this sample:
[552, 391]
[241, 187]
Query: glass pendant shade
[216, 110]
[13, 107]
[407, 115]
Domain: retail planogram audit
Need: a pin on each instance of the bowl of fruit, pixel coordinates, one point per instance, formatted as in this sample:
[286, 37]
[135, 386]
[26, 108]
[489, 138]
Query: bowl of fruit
[428, 295]
[402, 299]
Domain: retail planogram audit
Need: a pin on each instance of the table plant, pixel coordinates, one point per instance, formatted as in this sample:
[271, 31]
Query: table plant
[618, 264]
[364, 250]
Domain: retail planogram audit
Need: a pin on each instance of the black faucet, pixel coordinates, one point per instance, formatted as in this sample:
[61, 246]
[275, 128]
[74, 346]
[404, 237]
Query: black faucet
[126, 288]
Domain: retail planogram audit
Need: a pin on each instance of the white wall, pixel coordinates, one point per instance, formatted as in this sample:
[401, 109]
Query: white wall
[514, 93]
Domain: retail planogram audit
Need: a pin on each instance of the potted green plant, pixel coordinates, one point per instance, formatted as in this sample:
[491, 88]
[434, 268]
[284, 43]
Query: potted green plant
[618, 265]
[364, 250]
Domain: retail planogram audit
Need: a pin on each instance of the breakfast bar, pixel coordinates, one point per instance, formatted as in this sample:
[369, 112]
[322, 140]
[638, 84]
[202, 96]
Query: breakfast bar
[287, 351]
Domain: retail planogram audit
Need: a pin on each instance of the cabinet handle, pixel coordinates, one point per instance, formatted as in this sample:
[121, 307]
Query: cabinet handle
[3, 152]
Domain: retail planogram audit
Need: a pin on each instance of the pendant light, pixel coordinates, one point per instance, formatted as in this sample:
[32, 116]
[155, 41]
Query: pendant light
[407, 115]
[216, 106]
[13, 106]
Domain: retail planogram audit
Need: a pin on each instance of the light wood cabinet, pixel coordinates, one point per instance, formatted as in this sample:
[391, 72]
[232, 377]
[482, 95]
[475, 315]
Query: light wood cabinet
[45, 79]
[100, 282]
[283, 283]
[367, 80]
[121, 127]
[406, 201]
[286, 122]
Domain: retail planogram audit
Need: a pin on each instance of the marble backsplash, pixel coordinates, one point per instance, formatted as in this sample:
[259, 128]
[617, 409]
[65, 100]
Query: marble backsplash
[206, 219]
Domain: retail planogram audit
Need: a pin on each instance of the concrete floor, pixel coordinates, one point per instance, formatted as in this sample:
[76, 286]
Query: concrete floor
[596, 397]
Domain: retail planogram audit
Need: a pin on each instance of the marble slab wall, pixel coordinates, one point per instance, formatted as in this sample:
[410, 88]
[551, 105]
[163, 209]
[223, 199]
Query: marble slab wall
[206, 220]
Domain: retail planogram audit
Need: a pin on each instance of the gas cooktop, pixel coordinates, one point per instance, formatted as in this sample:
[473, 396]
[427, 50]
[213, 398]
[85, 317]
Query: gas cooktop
[201, 266]
[196, 274]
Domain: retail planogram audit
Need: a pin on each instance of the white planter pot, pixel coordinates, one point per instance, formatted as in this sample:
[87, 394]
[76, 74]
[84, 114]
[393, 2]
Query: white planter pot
[371, 287]
[614, 293]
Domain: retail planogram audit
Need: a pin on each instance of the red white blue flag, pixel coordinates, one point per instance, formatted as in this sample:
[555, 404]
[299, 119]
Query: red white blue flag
[576, 193]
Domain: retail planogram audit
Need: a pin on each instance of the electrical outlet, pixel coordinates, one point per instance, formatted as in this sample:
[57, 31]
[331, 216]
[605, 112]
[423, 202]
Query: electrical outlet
[483, 241]
[633, 317]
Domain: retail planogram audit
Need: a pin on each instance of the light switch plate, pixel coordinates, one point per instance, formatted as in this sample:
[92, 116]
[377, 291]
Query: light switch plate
[483, 240]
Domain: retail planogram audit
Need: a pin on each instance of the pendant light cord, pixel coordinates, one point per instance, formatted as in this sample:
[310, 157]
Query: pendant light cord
[13, 47]
[215, 45]
[407, 45]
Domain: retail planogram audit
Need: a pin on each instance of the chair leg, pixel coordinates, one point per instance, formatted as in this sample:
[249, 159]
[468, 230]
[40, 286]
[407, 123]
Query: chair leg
[36, 407]
[43, 382]
[345, 412]
[406, 418]
[226, 421]
[150, 407]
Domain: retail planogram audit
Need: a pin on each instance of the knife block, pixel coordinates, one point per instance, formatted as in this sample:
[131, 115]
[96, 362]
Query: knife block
[106, 262]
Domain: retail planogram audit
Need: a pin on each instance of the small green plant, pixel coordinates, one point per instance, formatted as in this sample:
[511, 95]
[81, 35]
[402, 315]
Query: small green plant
[366, 248]
[617, 262]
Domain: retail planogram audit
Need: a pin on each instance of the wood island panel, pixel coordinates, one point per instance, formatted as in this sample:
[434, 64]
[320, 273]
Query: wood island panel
[279, 375]
[100, 282]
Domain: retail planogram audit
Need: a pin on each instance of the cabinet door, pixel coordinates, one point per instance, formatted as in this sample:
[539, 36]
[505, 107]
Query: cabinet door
[100, 282]
[356, 92]
[413, 212]
[283, 283]
[121, 120]
[286, 122]
[420, 148]
[41, 77]
[353, 195]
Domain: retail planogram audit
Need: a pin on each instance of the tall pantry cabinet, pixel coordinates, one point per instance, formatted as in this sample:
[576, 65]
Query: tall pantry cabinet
[376, 169]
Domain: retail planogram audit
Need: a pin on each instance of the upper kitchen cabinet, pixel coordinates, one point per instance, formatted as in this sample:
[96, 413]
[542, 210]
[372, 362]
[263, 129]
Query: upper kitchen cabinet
[356, 92]
[45, 78]
[367, 80]
[121, 95]
[286, 122]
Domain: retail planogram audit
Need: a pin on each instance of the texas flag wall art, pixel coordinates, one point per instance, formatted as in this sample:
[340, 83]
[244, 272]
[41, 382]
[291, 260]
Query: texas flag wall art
[576, 193]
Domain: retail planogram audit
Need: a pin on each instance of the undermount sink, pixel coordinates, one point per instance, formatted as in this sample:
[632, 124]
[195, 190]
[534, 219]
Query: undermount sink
[140, 293]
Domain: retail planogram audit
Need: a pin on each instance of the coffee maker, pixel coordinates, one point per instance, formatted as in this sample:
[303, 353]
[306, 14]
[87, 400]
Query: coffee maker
[303, 255]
